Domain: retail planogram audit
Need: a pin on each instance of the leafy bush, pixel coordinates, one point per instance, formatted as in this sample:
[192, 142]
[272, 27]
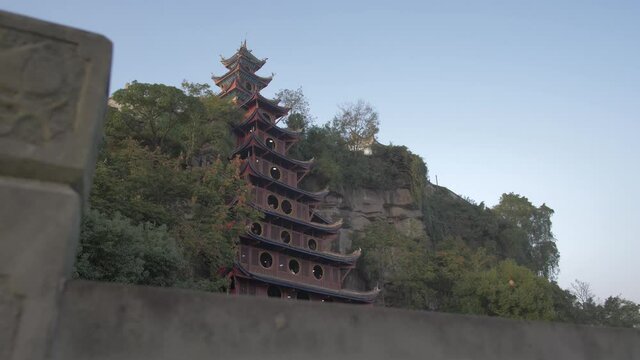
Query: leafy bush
[114, 249]
[146, 177]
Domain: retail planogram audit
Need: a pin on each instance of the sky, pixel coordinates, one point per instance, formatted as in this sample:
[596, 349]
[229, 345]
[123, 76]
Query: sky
[540, 98]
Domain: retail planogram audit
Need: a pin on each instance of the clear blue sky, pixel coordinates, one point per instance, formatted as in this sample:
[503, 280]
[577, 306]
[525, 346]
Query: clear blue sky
[541, 98]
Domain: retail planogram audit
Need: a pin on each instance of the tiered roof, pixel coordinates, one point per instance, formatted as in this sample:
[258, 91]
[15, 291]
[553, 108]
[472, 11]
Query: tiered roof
[244, 57]
[243, 86]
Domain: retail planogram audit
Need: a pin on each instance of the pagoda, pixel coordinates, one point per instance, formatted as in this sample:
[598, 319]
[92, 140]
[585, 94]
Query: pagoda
[288, 253]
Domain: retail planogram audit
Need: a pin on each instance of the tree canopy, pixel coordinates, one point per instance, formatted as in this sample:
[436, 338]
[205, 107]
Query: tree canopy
[357, 123]
[299, 117]
[160, 214]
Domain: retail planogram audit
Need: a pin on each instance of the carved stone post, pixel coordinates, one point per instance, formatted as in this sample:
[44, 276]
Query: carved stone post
[53, 94]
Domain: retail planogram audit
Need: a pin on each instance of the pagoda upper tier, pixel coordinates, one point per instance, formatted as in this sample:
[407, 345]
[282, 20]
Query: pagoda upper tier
[245, 58]
[242, 85]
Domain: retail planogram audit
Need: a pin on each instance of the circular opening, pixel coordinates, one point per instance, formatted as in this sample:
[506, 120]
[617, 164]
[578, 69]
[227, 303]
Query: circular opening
[318, 272]
[256, 228]
[301, 295]
[294, 266]
[285, 236]
[286, 207]
[249, 86]
[313, 245]
[272, 201]
[266, 260]
[275, 173]
[271, 144]
[274, 291]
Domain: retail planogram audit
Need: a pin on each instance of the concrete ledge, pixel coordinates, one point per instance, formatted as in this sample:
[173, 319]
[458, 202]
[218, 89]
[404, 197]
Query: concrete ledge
[111, 321]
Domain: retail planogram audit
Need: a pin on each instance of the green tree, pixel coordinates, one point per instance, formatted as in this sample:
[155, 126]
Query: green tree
[196, 89]
[453, 260]
[396, 263]
[506, 290]
[152, 182]
[614, 311]
[357, 123]
[619, 312]
[113, 249]
[157, 116]
[299, 117]
[533, 224]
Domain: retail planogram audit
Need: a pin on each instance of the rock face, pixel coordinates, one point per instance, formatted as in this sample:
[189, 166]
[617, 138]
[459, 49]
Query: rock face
[360, 207]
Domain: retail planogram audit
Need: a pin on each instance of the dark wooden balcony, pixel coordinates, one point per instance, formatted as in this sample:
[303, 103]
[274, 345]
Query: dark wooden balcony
[270, 141]
[291, 238]
[289, 268]
[280, 204]
[276, 172]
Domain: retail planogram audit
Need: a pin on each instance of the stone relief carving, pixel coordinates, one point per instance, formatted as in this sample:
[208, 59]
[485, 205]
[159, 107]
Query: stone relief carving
[39, 88]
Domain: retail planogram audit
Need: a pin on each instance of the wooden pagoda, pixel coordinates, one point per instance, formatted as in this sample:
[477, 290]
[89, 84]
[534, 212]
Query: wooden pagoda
[287, 253]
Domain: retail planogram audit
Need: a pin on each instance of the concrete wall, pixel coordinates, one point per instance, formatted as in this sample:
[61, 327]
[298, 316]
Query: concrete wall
[111, 321]
[53, 92]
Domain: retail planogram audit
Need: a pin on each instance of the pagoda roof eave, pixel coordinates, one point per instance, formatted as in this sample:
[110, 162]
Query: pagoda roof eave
[264, 80]
[347, 259]
[329, 228]
[362, 296]
[322, 217]
[305, 165]
[243, 52]
[317, 196]
[228, 62]
[268, 104]
[293, 134]
[234, 86]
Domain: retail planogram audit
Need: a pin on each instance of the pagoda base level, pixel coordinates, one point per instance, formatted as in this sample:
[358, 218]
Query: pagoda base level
[245, 286]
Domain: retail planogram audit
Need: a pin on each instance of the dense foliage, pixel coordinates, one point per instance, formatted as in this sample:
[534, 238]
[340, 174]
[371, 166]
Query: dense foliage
[514, 229]
[337, 167]
[162, 192]
[160, 213]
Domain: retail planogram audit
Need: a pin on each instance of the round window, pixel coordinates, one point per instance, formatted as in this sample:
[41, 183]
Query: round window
[274, 291]
[275, 173]
[266, 260]
[249, 86]
[286, 207]
[318, 272]
[285, 236]
[294, 266]
[271, 144]
[272, 201]
[256, 228]
[313, 245]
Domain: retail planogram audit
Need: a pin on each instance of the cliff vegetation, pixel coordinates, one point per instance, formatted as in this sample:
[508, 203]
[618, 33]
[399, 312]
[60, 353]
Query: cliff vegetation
[160, 213]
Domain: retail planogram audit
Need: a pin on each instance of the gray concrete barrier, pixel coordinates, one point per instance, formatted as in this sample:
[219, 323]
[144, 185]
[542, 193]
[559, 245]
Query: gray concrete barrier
[111, 321]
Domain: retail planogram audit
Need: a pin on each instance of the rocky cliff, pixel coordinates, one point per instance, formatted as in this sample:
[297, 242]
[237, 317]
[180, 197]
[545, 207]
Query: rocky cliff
[359, 207]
